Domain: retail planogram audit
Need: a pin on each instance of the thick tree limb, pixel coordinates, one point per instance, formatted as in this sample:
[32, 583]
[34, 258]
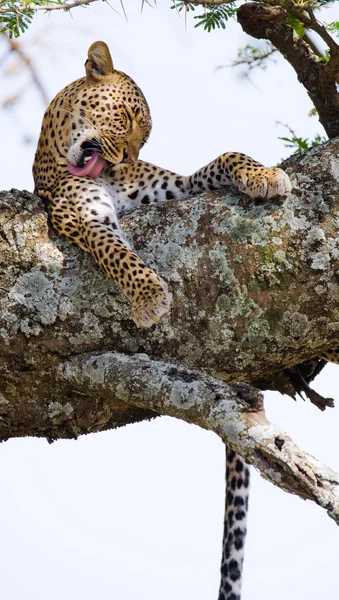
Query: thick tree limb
[320, 79]
[255, 284]
[98, 388]
[234, 412]
[255, 291]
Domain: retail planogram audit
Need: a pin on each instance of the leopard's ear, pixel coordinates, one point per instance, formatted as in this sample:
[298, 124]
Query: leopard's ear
[99, 63]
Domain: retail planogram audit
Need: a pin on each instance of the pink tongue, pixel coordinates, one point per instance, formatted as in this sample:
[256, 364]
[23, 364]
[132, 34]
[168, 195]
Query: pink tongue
[92, 168]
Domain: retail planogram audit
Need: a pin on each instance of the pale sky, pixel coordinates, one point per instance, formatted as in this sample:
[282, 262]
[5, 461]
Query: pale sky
[138, 512]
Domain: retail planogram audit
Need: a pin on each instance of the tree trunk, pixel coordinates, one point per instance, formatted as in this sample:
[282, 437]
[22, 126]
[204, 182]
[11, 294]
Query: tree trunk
[319, 78]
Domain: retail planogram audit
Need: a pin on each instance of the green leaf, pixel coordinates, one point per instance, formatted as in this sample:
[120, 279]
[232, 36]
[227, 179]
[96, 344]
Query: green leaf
[333, 27]
[179, 6]
[325, 58]
[296, 25]
[300, 144]
[215, 17]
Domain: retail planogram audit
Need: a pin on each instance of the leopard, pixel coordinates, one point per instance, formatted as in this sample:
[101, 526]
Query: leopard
[87, 169]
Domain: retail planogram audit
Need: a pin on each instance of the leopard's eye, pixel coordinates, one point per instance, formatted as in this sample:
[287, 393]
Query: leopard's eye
[129, 119]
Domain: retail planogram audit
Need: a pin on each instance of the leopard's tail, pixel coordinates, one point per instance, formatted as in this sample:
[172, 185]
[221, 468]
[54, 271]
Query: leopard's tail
[236, 508]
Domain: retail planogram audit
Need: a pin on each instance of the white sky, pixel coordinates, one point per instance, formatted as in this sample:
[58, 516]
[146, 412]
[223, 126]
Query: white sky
[138, 512]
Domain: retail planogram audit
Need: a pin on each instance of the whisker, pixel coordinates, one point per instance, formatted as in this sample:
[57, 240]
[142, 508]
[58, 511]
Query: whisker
[77, 112]
[93, 149]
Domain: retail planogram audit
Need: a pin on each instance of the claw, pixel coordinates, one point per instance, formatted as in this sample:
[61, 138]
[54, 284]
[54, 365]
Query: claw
[148, 311]
[278, 184]
[269, 183]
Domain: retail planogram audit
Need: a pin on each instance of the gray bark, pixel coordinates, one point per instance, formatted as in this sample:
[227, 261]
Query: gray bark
[234, 412]
[255, 290]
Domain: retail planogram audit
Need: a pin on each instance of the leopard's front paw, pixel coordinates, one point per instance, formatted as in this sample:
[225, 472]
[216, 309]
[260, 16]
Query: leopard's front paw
[264, 183]
[151, 304]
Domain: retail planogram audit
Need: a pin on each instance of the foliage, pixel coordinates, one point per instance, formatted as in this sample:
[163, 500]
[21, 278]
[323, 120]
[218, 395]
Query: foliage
[333, 28]
[15, 21]
[325, 58]
[213, 17]
[216, 17]
[299, 144]
[296, 25]
[253, 57]
[17, 15]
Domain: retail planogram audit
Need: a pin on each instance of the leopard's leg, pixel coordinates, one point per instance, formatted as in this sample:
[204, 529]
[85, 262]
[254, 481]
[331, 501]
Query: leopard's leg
[331, 355]
[236, 509]
[143, 183]
[248, 175]
[87, 216]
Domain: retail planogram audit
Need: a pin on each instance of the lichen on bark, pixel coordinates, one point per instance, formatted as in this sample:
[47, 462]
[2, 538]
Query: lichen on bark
[255, 290]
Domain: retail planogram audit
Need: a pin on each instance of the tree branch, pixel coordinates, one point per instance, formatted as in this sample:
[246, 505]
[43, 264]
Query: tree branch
[16, 46]
[251, 57]
[19, 10]
[98, 384]
[208, 2]
[235, 413]
[271, 271]
[311, 22]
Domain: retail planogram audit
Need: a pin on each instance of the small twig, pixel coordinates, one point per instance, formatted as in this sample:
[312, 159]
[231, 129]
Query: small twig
[252, 61]
[16, 47]
[322, 31]
[292, 132]
[48, 7]
[301, 386]
[312, 23]
[143, 2]
[208, 2]
[123, 9]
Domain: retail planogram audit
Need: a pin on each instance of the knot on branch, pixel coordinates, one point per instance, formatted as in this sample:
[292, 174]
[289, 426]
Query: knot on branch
[254, 18]
[252, 397]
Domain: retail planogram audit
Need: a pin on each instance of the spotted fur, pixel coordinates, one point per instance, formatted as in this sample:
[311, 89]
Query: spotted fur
[331, 355]
[236, 509]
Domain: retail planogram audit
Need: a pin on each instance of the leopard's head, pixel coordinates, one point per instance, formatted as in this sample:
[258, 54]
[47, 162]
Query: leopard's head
[111, 119]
